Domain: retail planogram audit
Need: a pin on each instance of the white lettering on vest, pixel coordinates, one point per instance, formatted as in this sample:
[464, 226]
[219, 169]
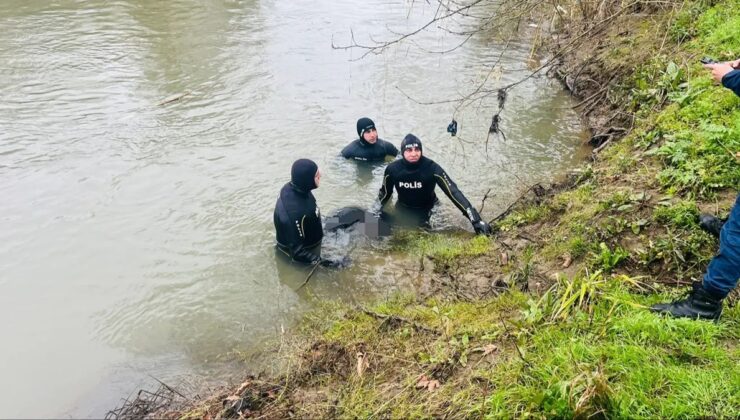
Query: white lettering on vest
[415, 184]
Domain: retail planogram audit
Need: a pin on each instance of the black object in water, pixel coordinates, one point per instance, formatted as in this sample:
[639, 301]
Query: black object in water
[452, 128]
[369, 224]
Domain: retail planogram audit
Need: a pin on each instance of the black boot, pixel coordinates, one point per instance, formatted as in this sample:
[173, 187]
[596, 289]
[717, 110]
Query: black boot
[699, 304]
[710, 224]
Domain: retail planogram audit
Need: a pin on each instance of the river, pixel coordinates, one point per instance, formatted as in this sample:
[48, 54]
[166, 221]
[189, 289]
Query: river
[136, 236]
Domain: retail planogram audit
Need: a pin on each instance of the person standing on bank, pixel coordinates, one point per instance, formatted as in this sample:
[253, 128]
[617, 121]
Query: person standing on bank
[723, 272]
[368, 147]
[297, 218]
[415, 177]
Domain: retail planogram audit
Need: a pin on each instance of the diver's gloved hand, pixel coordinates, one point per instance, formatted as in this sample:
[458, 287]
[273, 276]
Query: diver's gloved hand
[482, 228]
[335, 262]
[376, 208]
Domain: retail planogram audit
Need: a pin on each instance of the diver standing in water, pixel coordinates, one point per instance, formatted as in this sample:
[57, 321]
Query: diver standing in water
[297, 217]
[415, 177]
[368, 147]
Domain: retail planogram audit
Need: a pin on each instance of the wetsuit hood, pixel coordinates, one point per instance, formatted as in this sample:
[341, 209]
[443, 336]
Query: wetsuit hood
[364, 124]
[302, 174]
[411, 141]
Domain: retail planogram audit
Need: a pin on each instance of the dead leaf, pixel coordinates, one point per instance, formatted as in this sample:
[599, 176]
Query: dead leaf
[737, 155]
[433, 384]
[504, 258]
[422, 381]
[243, 387]
[429, 384]
[362, 363]
[568, 260]
[489, 348]
[233, 398]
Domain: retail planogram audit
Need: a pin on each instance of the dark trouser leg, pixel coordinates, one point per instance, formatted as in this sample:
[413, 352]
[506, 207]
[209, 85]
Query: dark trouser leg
[705, 300]
[724, 269]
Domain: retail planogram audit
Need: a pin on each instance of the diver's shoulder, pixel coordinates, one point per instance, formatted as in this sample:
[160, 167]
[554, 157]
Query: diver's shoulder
[285, 188]
[351, 147]
[387, 144]
[396, 164]
[425, 161]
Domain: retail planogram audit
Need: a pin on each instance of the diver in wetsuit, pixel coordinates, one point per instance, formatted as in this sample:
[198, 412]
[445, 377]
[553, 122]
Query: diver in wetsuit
[415, 177]
[368, 147]
[297, 217]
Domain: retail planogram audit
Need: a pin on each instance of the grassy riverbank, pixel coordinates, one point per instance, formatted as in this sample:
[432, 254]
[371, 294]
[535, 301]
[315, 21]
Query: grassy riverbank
[548, 317]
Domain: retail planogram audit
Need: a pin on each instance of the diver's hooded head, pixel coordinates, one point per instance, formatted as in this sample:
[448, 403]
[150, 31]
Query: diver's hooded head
[364, 124]
[409, 143]
[302, 174]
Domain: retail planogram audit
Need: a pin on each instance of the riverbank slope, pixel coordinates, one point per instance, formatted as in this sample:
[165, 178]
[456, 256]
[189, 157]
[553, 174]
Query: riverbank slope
[548, 318]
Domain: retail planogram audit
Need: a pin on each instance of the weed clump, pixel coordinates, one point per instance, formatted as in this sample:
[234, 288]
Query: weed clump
[444, 249]
[684, 214]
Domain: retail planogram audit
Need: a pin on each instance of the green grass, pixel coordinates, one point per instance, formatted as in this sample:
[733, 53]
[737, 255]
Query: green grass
[683, 214]
[699, 132]
[681, 149]
[527, 215]
[587, 347]
[616, 358]
[444, 249]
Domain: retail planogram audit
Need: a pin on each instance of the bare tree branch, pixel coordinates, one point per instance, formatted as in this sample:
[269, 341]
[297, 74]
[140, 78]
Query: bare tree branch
[381, 46]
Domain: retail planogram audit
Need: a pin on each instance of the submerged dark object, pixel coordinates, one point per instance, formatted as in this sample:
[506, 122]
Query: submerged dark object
[501, 96]
[452, 128]
[495, 121]
[366, 223]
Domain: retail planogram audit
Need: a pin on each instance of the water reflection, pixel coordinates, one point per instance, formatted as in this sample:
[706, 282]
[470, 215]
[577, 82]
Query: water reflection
[366, 174]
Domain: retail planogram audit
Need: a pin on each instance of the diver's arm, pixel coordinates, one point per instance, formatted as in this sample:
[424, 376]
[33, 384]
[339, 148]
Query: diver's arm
[347, 151]
[300, 254]
[459, 200]
[455, 195]
[386, 190]
[390, 149]
[293, 237]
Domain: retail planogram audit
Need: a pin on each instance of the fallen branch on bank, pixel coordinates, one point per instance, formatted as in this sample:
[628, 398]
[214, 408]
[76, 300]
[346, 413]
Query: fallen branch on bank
[145, 403]
[389, 319]
[305, 282]
[483, 202]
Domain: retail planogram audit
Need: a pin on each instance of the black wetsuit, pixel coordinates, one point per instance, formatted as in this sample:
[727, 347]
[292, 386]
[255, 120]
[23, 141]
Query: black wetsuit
[362, 150]
[298, 224]
[415, 183]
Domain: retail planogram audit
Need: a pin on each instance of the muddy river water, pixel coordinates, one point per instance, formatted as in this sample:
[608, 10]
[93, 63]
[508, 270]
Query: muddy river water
[136, 237]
